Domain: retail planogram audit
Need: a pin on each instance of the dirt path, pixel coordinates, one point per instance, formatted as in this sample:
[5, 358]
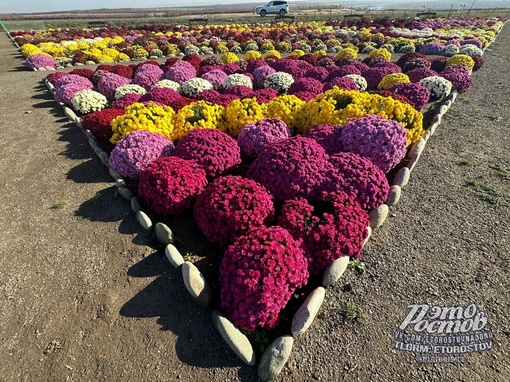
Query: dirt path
[85, 296]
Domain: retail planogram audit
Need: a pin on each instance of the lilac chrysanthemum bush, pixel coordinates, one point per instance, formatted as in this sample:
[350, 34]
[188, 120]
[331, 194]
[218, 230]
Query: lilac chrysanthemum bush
[417, 94]
[259, 273]
[359, 178]
[255, 136]
[213, 150]
[331, 229]
[169, 185]
[290, 168]
[382, 140]
[133, 153]
[232, 206]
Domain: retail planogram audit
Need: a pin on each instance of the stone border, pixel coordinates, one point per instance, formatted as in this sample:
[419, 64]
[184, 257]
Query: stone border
[277, 353]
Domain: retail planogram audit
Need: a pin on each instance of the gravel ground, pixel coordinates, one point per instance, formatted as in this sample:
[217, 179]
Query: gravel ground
[86, 295]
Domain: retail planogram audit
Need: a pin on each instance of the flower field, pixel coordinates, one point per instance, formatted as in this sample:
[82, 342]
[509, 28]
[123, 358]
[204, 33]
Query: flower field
[286, 143]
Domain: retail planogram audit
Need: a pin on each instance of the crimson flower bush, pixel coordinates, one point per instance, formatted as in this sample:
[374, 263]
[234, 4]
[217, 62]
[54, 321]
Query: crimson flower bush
[290, 168]
[259, 273]
[213, 150]
[169, 185]
[329, 230]
[382, 140]
[358, 177]
[232, 206]
[135, 151]
[99, 123]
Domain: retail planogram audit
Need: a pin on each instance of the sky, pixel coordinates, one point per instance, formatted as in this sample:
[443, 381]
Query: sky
[28, 6]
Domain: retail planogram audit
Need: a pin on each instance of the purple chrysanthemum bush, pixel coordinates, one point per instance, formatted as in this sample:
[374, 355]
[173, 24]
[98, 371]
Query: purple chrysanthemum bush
[232, 206]
[259, 273]
[255, 136]
[137, 150]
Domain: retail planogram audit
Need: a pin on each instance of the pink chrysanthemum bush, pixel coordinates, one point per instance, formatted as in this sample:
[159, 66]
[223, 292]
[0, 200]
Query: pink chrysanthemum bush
[333, 228]
[324, 135]
[232, 206]
[137, 150]
[290, 168]
[169, 185]
[213, 150]
[359, 177]
[258, 274]
[256, 135]
[382, 140]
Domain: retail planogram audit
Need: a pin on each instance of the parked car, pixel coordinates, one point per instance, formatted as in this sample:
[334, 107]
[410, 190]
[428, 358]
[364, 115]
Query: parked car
[273, 7]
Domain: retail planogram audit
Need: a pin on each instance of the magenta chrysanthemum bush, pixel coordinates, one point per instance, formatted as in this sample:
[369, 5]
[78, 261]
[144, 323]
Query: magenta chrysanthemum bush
[344, 83]
[37, 61]
[331, 229]
[137, 150]
[213, 150]
[382, 140]
[147, 76]
[52, 78]
[460, 78]
[125, 101]
[374, 75]
[418, 74]
[305, 85]
[165, 96]
[318, 73]
[358, 177]
[260, 74]
[290, 168]
[340, 71]
[265, 95]
[255, 136]
[258, 274]
[232, 206]
[417, 94]
[109, 82]
[216, 77]
[325, 135]
[65, 91]
[180, 72]
[169, 185]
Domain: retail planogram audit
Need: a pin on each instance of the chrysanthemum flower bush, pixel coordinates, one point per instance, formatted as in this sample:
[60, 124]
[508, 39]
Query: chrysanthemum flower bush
[232, 206]
[259, 273]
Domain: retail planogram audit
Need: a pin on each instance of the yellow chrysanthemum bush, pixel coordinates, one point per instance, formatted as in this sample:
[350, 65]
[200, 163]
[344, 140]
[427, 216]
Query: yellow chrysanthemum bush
[252, 55]
[296, 53]
[461, 59]
[284, 47]
[239, 112]
[337, 106]
[137, 116]
[267, 45]
[28, 50]
[139, 52]
[391, 79]
[198, 115]
[272, 53]
[381, 52]
[347, 52]
[229, 58]
[285, 107]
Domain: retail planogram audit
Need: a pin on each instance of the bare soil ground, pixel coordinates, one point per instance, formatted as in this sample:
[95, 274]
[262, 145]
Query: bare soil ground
[86, 295]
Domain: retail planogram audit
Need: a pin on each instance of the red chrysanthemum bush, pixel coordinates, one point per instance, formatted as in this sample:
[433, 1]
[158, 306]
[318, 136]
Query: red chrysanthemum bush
[330, 229]
[232, 206]
[258, 275]
[213, 150]
[170, 185]
[99, 123]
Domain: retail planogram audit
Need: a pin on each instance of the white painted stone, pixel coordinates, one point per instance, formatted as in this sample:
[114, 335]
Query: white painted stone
[115, 174]
[90, 62]
[144, 220]
[104, 158]
[417, 149]
[89, 134]
[369, 230]
[173, 255]
[120, 183]
[78, 122]
[196, 284]
[412, 162]
[79, 64]
[42, 69]
[163, 233]
[443, 109]
[275, 357]
[135, 203]
[235, 340]
[378, 215]
[50, 68]
[433, 128]
[125, 193]
[334, 271]
[70, 114]
[394, 195]
[306, 313]
[402, 177]
[93, 144]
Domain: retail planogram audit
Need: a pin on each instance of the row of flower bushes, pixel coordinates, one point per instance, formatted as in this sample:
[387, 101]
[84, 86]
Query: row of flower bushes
[108, 45]
[280, 159]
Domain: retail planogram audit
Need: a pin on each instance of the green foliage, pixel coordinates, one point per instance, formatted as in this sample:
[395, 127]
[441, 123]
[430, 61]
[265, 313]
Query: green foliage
[489, 194]
[357, 265]
[59, 205]
[350, 312]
